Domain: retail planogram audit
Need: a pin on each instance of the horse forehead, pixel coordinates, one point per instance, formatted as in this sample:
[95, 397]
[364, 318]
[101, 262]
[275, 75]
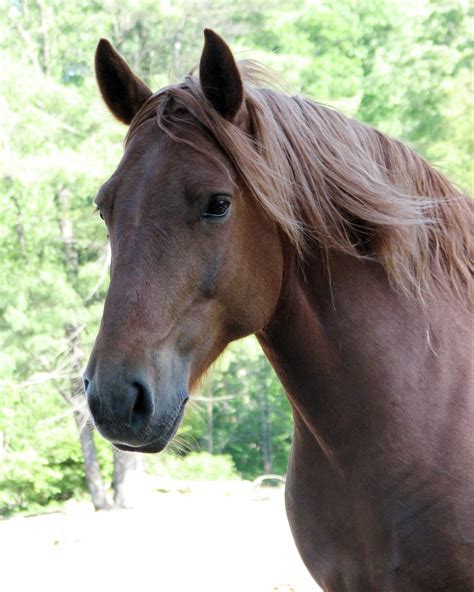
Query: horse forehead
[153, 158]
[155, 170]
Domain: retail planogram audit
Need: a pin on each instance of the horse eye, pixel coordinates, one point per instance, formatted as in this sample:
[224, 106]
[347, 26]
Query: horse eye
[101, 215]
[217, 207]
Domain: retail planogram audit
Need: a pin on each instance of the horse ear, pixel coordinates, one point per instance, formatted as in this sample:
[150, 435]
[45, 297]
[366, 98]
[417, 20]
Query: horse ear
[123, 92]
[219, 75]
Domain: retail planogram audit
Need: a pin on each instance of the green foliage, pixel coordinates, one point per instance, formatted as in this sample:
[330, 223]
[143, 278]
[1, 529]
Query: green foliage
[242, 410]
[403, 67]
[195, 466]
[41, 458]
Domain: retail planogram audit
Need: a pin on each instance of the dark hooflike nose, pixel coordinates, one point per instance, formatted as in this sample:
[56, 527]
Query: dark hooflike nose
[121, 408]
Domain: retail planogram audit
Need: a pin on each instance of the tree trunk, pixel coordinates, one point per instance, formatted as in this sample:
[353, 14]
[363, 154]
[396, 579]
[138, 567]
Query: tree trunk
[266, 432]
[81, 416]
[210, 423]
[67, 234]
[20, 229]
[45, 51]
[127, 473]
[95, 485]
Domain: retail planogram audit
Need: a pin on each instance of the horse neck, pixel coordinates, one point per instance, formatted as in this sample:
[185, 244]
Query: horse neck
[351, 354]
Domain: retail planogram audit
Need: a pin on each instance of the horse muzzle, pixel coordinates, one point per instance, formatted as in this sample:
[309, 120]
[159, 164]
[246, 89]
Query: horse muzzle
[127, 410]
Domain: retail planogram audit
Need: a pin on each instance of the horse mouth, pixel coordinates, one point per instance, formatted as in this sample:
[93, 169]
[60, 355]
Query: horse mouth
[160, 443]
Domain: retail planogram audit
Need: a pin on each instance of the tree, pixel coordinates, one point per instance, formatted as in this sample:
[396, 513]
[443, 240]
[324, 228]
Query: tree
[251, 418]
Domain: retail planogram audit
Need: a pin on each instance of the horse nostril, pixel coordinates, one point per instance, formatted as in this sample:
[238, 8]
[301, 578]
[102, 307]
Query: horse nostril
[143, 406]
[85, 383]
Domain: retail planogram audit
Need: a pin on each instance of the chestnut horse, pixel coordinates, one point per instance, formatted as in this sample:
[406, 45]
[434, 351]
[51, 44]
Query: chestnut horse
[237, 209]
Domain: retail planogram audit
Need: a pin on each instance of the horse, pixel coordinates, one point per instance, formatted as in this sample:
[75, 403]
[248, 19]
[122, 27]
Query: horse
[238, 209]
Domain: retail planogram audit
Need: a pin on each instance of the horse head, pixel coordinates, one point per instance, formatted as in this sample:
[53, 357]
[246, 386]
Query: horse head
[196, 263]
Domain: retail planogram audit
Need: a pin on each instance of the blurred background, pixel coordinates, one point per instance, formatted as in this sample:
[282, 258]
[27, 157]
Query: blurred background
[402, 66]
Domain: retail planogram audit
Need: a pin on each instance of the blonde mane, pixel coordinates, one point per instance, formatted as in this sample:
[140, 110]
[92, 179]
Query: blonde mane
[326, 178]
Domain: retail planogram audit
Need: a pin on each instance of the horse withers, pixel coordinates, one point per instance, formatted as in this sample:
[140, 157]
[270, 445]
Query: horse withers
[237, 209]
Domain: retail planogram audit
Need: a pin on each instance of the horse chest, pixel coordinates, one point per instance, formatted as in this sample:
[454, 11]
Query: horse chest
[349, 542]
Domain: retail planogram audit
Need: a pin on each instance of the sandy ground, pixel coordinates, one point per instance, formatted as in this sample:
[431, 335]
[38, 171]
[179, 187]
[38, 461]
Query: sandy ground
[214, 539]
